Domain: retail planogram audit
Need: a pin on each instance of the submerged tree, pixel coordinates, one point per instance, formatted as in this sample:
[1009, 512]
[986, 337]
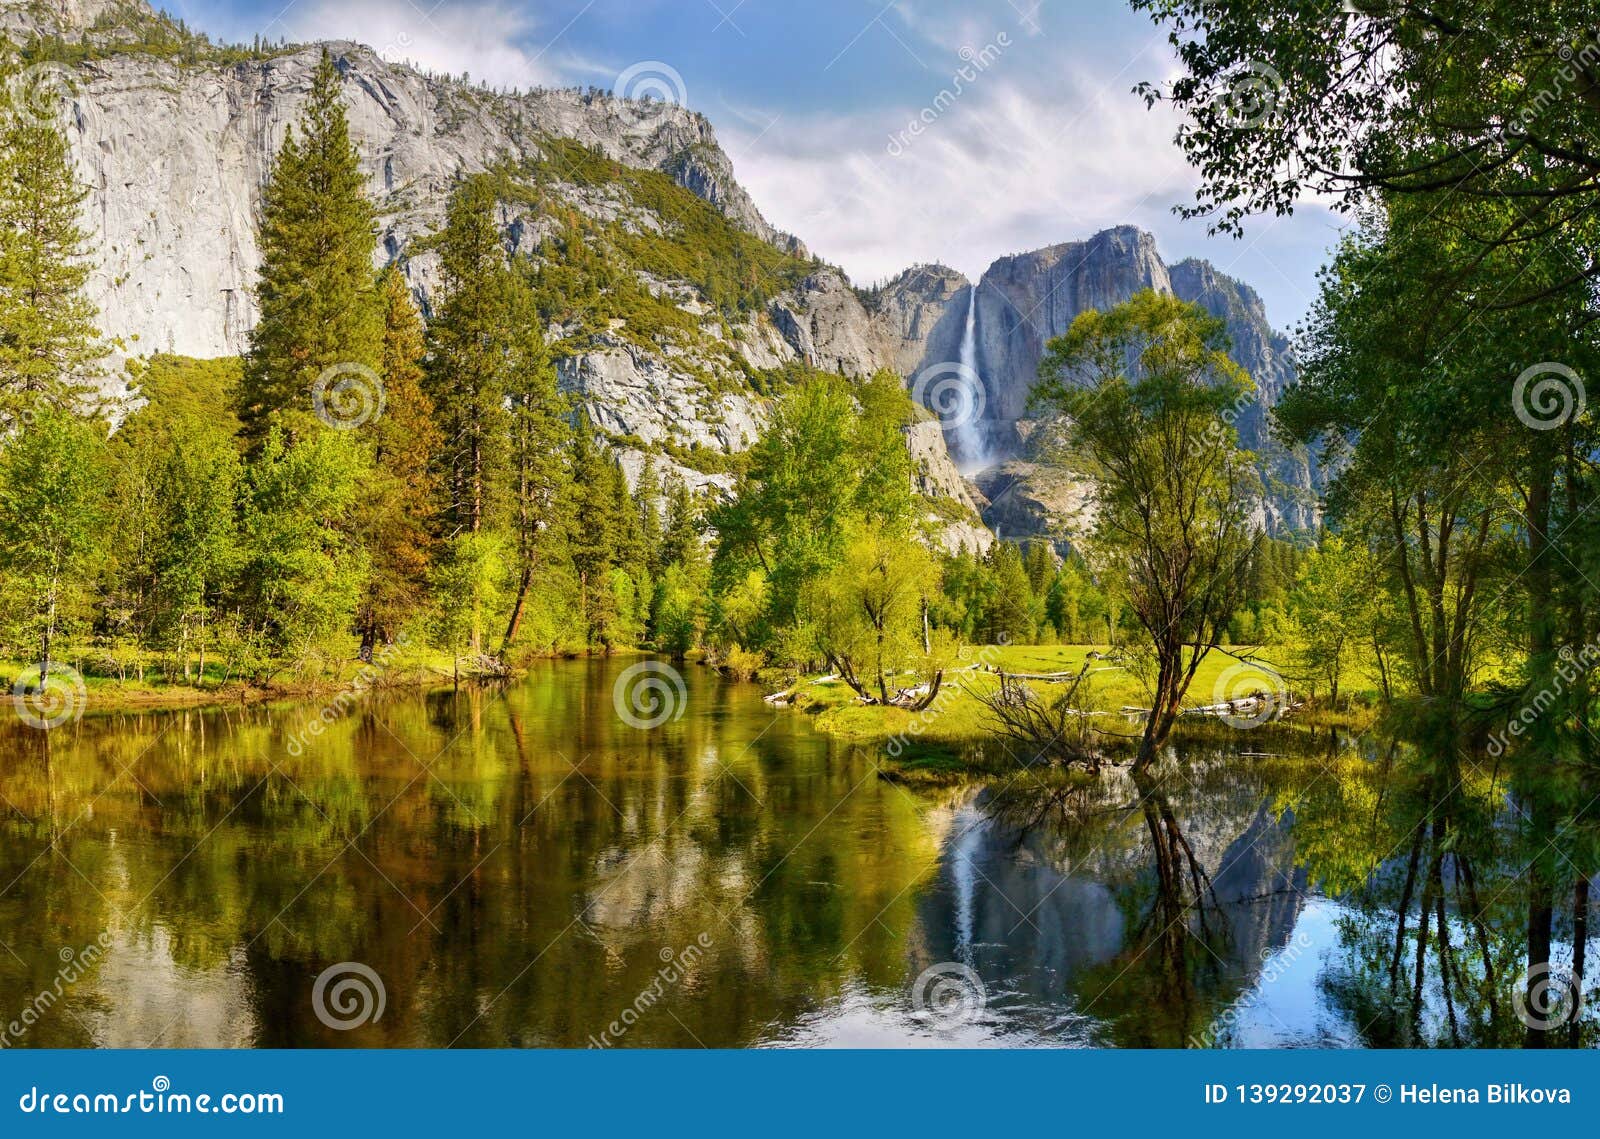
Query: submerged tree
[1147, 386]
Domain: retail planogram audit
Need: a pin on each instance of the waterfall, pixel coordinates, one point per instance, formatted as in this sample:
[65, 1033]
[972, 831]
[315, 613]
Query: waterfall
[970, 438]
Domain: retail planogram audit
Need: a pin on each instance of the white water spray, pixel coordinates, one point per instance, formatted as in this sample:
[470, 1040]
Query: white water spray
[970, 437]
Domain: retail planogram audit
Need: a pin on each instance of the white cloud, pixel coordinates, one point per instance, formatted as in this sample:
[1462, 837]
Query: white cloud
[479, 38]
[1005, 168]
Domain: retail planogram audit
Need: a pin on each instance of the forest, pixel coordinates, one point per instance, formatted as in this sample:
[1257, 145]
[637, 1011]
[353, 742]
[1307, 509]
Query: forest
[369, 479]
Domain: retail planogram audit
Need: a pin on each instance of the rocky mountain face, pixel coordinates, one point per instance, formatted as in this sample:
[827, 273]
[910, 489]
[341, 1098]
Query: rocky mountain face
[1025, 300]
[174, 139]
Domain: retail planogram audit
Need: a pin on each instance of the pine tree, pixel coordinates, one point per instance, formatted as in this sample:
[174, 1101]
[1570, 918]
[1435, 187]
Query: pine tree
[52, 481]
[591, 537]
[680, 537]
[647, 495]
[471, 341]
[403, 497]
[318, 305]
[49, 345]
[540, 436]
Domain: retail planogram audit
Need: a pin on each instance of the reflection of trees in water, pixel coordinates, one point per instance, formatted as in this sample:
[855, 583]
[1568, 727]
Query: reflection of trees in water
[1455, 922]
[1144, 905]
[512, 864]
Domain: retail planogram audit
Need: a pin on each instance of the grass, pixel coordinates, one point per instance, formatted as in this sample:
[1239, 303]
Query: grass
[945, 743]
[112, 685]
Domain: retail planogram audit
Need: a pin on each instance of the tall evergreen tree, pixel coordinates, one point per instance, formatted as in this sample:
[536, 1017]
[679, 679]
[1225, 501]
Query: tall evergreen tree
[540, 435]
[475, 346]
[318, 305]
[48, 341]
[592, 536]
[403, 498]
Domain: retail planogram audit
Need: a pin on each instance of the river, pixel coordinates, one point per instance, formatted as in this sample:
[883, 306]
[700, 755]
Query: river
[526, 868]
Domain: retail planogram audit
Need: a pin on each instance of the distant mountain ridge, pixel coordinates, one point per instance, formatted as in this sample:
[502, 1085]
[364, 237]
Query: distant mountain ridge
[174, 137]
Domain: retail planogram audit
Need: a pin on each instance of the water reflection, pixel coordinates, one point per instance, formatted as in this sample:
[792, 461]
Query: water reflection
[523, 868]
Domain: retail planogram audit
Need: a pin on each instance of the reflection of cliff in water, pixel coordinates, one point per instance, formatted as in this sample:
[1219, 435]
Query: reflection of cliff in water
[1112, 914]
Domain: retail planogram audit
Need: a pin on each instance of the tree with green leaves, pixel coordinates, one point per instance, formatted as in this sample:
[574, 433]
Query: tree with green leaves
[540, 445]
[318, 304]
[305, 567]
[51, 524]
[398, 510]
[49, 344]
[1147, 386]
[476, 346]
[1008, 618]
[833, 455]
[866, 614]
[592, 538]
[1286, 99]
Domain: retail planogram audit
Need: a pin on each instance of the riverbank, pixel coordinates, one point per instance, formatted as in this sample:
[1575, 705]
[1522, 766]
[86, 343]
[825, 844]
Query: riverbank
[107, 685]
[952, 741]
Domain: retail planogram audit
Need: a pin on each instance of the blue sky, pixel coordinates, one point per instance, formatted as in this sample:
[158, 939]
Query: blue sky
[813, 100]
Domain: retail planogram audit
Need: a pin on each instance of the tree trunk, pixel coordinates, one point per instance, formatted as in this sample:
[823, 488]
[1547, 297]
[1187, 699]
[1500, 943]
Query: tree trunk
[516, 609]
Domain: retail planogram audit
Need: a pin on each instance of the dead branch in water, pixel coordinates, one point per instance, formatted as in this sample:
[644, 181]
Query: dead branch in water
[1056, 730]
